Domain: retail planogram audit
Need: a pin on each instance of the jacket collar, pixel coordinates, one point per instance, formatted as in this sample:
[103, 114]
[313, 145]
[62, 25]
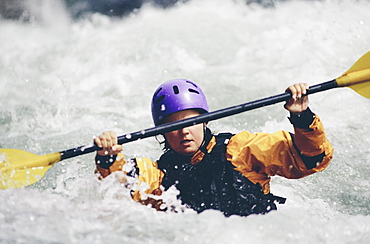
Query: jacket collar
[199, 155]
[209, 143]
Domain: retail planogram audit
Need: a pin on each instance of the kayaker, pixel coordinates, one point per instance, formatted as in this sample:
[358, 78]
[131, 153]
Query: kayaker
[226, 172]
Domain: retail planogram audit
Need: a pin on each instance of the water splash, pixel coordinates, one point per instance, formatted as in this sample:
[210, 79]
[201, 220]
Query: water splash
[61, 85]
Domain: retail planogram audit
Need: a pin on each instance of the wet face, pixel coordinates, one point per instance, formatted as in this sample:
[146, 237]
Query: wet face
[188, 140]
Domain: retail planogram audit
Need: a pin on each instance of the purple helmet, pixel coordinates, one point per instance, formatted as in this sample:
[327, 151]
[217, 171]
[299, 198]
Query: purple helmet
[177, 95]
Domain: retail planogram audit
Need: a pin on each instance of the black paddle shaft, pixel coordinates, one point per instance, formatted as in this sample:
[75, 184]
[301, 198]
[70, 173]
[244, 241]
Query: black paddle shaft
[203, 118]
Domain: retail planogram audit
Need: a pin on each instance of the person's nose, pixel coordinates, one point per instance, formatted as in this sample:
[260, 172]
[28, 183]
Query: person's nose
[184, 130]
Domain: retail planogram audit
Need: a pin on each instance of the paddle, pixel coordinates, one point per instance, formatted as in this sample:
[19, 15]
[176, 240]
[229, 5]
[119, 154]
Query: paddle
[19, 168]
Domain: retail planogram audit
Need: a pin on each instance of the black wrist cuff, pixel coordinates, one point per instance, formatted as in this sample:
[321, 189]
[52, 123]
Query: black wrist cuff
[105, 161]
[302, 120]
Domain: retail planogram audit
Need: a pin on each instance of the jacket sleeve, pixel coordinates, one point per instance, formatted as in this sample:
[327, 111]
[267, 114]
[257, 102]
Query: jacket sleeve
[261, 155]
[144, 169]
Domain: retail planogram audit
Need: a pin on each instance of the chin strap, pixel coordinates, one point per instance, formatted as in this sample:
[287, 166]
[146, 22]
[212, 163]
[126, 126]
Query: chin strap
[207, 136]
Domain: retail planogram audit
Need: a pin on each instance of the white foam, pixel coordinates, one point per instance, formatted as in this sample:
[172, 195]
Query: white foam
[59, 86]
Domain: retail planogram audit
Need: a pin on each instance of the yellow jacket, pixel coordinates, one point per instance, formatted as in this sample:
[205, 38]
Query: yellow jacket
[257, 156]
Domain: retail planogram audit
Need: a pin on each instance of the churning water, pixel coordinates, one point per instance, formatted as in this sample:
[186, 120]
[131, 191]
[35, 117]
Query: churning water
[65, 80]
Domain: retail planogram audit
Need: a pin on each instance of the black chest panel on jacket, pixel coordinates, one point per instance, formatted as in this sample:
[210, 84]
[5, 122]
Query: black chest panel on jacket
[214, 183]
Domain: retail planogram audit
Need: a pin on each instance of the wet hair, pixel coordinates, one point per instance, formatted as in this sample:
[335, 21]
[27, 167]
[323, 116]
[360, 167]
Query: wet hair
[165, 145]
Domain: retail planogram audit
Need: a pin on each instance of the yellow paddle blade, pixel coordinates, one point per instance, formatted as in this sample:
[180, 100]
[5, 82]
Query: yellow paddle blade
[20, 168]
[358, 76]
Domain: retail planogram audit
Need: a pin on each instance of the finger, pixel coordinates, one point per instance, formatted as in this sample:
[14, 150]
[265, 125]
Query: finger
[108, 141]
[302, 88]
[101, 144]
[305, 87]
[113, 138]
[104, 141]
[291, 89]
[298, 90]
[97, 141]
[110, 138]
[116, 149]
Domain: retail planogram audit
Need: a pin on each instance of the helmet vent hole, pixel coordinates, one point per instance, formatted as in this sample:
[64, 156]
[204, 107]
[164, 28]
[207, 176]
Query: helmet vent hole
[176, 89]
[193, 91]
[160, 99]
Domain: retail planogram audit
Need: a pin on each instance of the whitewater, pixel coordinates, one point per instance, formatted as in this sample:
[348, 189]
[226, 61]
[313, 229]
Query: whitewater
[64, 80]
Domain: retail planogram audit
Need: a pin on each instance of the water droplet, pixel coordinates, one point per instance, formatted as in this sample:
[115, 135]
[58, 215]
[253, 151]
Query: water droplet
[128, 136]
[163, 107]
